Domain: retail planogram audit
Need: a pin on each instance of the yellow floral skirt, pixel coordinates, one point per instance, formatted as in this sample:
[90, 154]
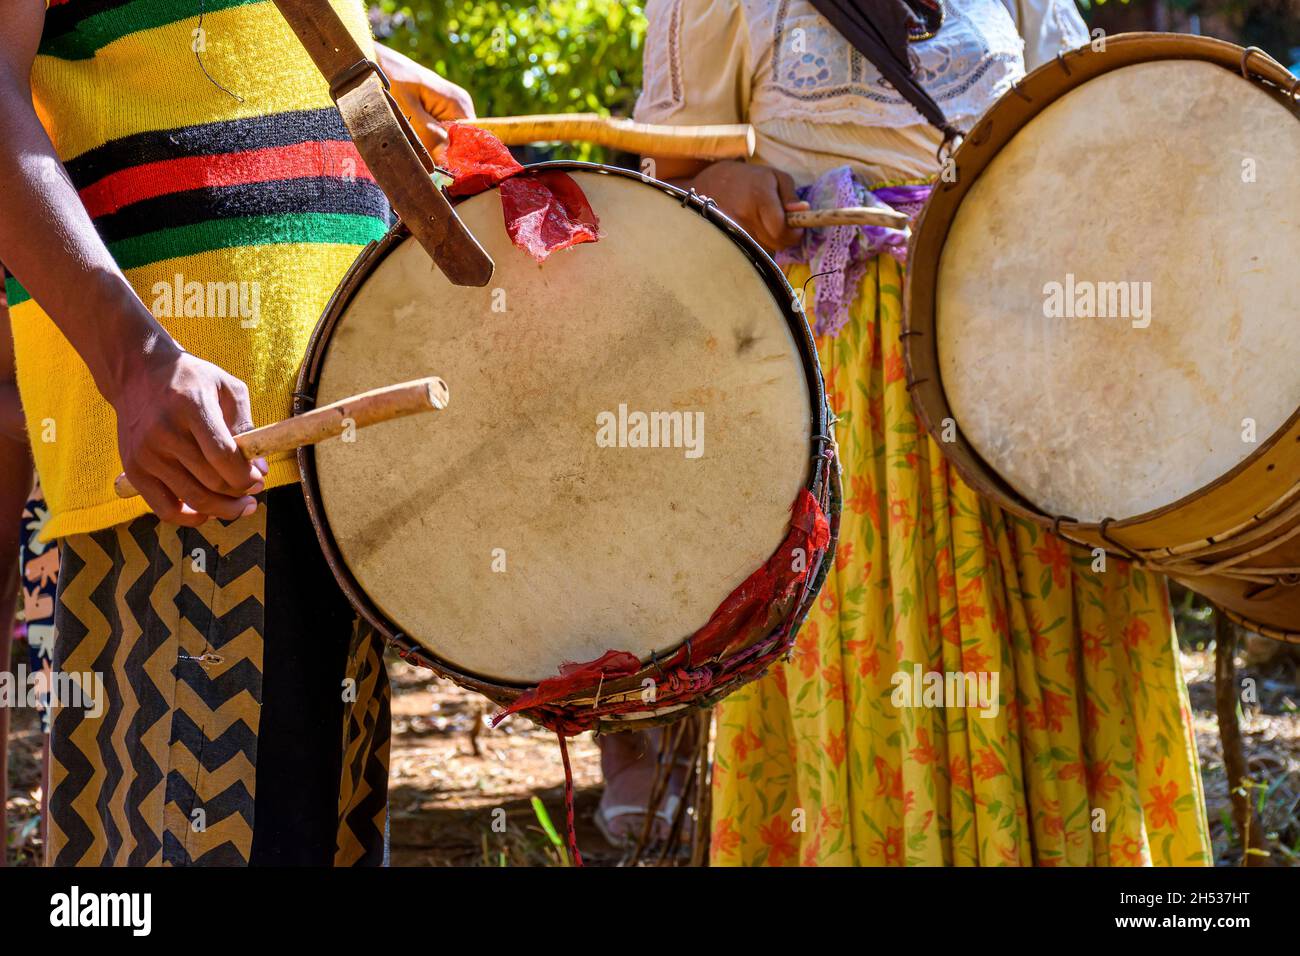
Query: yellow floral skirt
[1074, 745]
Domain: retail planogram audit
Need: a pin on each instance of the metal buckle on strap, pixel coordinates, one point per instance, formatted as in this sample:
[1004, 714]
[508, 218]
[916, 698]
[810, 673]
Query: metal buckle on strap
[357, 72]
[343, 82]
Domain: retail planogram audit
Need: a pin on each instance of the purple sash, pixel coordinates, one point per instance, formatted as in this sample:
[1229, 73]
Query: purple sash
[839, 254]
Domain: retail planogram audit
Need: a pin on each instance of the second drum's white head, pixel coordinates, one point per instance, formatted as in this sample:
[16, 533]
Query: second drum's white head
[1176, 178]
[500, 533]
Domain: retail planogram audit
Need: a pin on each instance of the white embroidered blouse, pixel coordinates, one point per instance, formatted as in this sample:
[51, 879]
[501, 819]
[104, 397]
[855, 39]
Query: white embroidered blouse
[814, 101]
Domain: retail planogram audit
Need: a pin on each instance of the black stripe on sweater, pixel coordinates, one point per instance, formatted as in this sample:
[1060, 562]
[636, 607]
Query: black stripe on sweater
[277, 197]
[209, 139]
[66, 17]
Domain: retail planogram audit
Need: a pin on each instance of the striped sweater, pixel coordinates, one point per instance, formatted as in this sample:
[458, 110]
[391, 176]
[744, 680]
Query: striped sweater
[206, 149]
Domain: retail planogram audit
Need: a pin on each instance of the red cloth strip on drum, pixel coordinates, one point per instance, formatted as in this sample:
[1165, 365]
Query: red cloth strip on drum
[545, 211]
[477, 160]
[693, 669]
[748, 604]
[574, 679]
[752, 606]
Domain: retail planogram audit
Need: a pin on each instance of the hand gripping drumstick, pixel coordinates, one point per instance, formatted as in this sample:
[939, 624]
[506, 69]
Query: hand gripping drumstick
[728, 141]
[368, 408]
[849, 216]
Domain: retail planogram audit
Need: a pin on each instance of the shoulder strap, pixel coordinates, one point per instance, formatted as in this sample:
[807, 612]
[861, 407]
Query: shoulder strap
[878, 30]
[386, 142]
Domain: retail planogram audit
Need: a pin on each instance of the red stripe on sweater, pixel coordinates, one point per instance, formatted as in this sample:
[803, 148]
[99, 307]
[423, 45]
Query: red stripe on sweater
[298, 161]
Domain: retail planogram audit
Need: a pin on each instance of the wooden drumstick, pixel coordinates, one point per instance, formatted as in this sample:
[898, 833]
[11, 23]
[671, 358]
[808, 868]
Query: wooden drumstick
[849, 216]
[328, 421]
[729, 141]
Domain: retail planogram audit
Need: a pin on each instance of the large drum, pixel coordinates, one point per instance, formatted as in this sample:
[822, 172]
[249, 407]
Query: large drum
[1102, 307]
[630, 425]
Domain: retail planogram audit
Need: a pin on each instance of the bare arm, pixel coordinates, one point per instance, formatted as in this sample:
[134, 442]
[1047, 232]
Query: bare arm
[175, 412]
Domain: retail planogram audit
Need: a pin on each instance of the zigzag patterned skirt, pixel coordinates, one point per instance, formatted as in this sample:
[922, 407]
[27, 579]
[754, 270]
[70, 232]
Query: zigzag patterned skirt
[241, 711]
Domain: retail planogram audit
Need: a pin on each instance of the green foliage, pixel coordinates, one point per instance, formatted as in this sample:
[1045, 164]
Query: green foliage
[516, 58]
[552, 834]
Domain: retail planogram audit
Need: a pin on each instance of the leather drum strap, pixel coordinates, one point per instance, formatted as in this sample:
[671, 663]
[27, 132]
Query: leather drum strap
[386, 142]
[878, 30]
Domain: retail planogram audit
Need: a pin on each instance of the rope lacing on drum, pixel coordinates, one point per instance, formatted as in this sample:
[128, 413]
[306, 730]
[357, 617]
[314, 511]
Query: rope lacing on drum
[701, 200]
[1103, 532]
[951, 140]
[1277, 634]
[1228, 566]
[1259, 535]
[830, 448]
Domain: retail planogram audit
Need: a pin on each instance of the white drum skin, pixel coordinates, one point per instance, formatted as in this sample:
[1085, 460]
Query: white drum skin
[498, 534]
[1181, 175]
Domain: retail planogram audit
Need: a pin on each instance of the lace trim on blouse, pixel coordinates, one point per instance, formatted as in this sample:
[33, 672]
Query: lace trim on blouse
[805, 70]
[663, 61]
[815, 74]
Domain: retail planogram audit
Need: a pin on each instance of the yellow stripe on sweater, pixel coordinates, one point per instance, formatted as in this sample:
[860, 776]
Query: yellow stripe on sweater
[249, 50]
[73, 429]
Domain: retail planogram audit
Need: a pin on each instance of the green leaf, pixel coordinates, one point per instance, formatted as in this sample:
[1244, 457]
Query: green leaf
[517, 57]
[544, 818]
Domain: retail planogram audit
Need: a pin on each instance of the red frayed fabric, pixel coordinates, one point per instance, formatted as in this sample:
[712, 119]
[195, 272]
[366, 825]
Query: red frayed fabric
[761, 602]
[545, 211]
[749, 608]
[477, 160]
[574, 678]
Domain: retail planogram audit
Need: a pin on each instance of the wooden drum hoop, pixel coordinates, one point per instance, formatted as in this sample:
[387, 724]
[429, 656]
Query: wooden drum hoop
[1251, 512]
[823, 483]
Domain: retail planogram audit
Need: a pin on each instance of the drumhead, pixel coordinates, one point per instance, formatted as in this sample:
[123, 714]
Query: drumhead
[527, 525]
[1163, 192]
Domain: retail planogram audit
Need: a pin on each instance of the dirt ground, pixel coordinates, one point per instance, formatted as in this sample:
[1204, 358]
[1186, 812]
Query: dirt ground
[447, 780]
[1271, 743]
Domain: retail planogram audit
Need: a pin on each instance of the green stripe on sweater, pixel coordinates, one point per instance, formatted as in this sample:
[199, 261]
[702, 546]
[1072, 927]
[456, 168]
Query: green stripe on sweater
[318, 227]
[14, 292]
[97, 31]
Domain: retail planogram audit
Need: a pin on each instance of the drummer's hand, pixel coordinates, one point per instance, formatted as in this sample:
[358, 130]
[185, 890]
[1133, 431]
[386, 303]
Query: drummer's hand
[177, 416]
[757, 197]
[426, 98]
